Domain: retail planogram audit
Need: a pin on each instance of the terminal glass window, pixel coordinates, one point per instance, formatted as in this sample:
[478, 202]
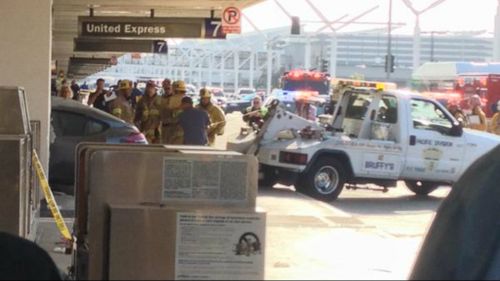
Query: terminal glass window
[429, 116]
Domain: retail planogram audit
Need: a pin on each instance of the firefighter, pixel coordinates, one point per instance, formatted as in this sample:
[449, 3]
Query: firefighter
[216, 114]
[455, 109]
[166, 90]
[495, 121]
[172, 108]
[147, 116]
[166, 94]
[121, 107]
[477, 120]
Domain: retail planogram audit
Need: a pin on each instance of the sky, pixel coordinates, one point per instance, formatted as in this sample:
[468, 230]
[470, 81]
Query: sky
[450, 16]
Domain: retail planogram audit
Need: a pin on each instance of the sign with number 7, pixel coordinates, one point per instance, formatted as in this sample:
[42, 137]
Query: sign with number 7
[213, 29]
[160, 47]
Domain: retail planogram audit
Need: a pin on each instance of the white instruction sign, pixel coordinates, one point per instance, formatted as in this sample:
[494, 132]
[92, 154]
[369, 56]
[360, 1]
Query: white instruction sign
[220, 246]
[185, 179]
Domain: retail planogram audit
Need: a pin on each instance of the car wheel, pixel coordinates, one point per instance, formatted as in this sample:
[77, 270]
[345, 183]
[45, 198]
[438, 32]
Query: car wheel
[421, 188]
[325, 180]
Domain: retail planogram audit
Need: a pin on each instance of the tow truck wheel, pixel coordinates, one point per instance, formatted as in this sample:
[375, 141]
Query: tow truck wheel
[421, 188]
[325, 180]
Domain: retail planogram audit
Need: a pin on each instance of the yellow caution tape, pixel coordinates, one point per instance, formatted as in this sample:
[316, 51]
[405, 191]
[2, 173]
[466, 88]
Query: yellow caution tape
[49, 197]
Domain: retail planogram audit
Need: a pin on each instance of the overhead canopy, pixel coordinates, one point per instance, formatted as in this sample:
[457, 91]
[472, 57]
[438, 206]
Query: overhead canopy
[434, 71]
[66, 13]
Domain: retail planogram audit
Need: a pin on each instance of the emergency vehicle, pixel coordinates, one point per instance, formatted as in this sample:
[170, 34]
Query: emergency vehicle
[487, 86]
[338, 84]
[376, 137]
[462, 78]
[303, 85]
[306, 81]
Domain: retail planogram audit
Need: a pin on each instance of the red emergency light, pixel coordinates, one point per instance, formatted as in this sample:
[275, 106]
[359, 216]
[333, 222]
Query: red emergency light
[305, 75]
[296, 74]
[483, 81]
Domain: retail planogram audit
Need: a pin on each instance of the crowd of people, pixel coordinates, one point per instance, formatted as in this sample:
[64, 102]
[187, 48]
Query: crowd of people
[476, 120]
[165, 116]
[62, 88]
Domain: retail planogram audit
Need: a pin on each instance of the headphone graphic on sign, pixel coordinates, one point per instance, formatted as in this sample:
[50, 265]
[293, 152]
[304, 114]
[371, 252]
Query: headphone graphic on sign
[249, 244]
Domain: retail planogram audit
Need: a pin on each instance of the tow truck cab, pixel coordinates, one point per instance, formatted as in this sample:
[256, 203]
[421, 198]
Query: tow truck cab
[376, 137]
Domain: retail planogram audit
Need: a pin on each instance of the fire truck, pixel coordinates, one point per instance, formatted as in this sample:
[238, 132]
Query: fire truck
[311, 86]
[487, 86]
[308, 81]
[463, 79]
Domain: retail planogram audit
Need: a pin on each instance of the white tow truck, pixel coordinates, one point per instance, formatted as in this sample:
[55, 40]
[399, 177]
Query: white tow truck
[374, 137]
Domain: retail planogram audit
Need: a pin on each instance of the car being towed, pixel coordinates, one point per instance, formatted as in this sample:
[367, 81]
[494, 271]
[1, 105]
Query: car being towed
[73, 123]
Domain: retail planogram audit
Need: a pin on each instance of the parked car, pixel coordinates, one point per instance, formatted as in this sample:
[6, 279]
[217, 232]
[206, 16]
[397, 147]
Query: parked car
[238, 105]
[219, 98]
[246, 91]
[191, 89]
[73, 123]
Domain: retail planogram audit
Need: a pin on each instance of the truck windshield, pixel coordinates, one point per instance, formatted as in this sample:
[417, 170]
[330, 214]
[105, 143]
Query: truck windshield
[358, 106]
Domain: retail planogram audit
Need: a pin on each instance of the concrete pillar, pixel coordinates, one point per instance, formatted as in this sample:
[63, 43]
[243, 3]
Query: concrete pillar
[307, 59]
[236, 70]
[210, 69]
[200, 72]
[25, 48]
[496, 54]
[252, 69]
[191, 67]
[417, 45]
[222, 69]
[333, 55]
[277, 64]
[269, 79]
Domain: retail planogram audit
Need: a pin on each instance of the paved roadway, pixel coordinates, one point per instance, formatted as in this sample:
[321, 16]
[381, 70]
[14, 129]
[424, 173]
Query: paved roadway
[362, 235]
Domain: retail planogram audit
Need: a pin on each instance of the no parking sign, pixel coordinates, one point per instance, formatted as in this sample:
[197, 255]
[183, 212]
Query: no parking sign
[231, 20]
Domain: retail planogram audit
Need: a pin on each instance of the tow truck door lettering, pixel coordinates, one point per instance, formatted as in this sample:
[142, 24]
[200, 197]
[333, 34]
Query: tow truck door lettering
[381, 165]
[435, 156]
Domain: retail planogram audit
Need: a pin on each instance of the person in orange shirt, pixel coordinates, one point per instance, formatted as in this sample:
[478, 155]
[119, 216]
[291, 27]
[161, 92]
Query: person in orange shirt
[477, 120]
[66, 93]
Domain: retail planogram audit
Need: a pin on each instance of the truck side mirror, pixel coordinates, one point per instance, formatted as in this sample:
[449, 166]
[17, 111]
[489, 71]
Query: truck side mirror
[457, 130]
